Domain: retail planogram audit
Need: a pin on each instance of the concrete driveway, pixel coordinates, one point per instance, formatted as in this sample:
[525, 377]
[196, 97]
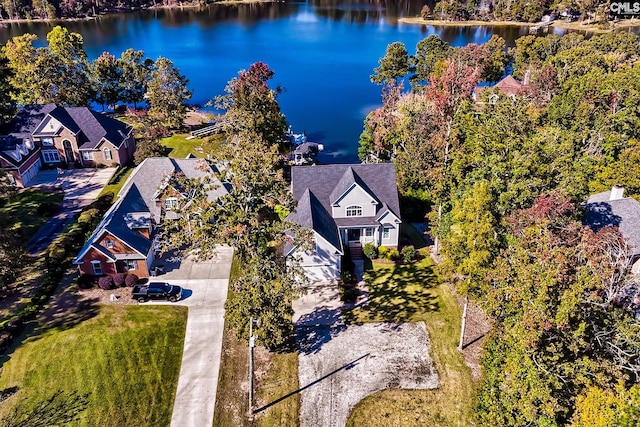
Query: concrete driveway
[205, 286]
[340, 364]
[81, 187]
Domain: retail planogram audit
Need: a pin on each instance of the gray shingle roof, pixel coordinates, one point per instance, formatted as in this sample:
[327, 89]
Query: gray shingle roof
[622, 213]
[379, 180]
[311, 214]
[26, 121]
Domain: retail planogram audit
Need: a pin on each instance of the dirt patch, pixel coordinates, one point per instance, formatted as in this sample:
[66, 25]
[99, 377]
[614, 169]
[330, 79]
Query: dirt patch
[118, 296]
[356, 361]
[196, 118]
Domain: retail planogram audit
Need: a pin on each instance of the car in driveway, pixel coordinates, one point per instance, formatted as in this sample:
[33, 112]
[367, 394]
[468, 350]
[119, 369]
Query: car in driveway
[156, 291]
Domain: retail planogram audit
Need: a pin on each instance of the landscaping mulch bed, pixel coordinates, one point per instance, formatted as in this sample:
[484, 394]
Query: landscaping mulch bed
[123, 296]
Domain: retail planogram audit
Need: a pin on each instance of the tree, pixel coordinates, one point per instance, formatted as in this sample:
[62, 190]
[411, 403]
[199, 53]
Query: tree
[7, 106]
[24, 74]
[148, 147]
[429, 51]
[250, 105]
[167, 94]
[106, 77]
[13, 256]
[136, 72]
[394, 65]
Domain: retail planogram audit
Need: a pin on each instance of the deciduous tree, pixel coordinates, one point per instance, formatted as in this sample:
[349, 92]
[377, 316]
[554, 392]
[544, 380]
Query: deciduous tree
[167, 94]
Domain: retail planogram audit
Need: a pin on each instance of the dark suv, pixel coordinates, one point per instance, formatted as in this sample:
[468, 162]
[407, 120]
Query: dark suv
[156, 290]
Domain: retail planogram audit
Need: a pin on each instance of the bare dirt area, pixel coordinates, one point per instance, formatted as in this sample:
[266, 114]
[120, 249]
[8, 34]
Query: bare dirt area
[476, 330]
[118, 296]
[340, 365]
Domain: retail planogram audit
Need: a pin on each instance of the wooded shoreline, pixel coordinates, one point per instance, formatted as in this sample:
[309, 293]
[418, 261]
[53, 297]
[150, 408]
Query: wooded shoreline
[579, 26]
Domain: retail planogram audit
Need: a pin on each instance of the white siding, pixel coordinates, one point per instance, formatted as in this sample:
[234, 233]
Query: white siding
[358, 197]
[323, 264]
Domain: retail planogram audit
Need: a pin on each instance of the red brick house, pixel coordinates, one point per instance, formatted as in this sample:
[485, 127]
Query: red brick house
[124, 241]
[62, 136]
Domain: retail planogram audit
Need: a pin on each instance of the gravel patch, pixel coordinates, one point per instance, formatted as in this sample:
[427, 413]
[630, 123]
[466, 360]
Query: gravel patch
[339, 365]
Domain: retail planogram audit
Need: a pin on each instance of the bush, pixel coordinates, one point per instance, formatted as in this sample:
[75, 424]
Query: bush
[347, 277]
[408, 253]
[130, 280]
[105, 282]
[118, 280]
[349, 294]
[393, 255]
[382, 251]
[85, 281]
[48, 209]
[370, 251]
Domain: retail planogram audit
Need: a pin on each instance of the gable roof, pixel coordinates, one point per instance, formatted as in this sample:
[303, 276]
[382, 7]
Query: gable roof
[623, 213]
[379, 180]
[509, 86]
[348, 180]
[27, 120]
[311, 214]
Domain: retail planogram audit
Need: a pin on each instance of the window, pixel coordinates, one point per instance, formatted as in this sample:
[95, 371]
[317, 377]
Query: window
[131, 264]
[50, 156]
[354, 210]
[97, 267]
[107, 153]
[386, 232]
[109, 244]
[368, 232]
[171, 203]
[47, 141]
[87, 155]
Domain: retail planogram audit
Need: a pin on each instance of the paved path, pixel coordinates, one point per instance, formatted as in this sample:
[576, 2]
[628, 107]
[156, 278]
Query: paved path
[81, 187]
[205, 284]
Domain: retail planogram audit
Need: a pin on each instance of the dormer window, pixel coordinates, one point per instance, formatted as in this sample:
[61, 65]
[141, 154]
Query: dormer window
[354, 210]
[171, 203]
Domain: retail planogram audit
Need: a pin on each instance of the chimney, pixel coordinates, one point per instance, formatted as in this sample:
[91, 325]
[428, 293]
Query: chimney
[616, 192]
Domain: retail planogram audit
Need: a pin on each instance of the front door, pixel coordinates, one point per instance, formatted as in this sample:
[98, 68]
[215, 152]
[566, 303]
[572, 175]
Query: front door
[353, 234]
[68, 151]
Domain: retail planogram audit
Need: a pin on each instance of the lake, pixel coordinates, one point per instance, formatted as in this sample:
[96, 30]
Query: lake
[322, 52]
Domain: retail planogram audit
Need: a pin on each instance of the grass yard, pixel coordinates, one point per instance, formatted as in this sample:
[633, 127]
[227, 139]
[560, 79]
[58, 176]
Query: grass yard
[126, 358]
[410, 293]
[117, 181]
[179, 147]
[22, 210]
[276, 376]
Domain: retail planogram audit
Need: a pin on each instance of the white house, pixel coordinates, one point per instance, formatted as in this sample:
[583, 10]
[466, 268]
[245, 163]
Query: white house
[346, 206]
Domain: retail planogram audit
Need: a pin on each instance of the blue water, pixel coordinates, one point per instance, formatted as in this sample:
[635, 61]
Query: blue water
[322, 54]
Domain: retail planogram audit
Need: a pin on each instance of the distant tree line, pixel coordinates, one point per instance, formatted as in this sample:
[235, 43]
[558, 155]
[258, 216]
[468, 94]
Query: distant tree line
[52, 9]
[503, 178]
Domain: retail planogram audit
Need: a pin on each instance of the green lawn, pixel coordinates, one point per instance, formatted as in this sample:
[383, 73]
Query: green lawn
[179, 147]
[276, 377]
[126, 358]
[22, 210]
[410, 293]
[117, 181]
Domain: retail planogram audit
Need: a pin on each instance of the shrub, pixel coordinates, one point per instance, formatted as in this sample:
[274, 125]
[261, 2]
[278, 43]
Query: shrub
[370, 251]
[48, 209]
[393, 255]
[408, 253]
[88, 215]
[118, 280]
[346, 277]
[105, 282]
[130, 280]
[349, 294]
[85, 281]
[382, 251]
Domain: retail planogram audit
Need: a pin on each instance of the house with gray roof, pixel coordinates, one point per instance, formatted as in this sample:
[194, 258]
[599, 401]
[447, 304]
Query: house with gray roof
[125, 239]
[612, 209]
[346, 206]
[53, 135]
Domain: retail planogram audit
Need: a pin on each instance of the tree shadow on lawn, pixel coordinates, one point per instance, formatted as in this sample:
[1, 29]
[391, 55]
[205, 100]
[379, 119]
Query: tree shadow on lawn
[398, 293]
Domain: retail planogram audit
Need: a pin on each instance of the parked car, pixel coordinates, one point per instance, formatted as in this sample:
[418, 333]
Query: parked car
[156, 290]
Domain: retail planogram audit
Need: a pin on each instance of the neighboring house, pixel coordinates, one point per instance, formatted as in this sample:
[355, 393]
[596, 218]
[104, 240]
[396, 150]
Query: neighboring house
[346, 206]
[611, 209]
[125, 239]
[508, 86]
[52, 135]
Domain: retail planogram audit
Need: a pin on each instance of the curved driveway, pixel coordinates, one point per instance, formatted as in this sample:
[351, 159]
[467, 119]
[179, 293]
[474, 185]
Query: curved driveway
[205, 291]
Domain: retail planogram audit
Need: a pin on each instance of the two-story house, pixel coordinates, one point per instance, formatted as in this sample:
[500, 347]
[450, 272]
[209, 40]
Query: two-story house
[346, 206]
[52, 135]
[124, 241]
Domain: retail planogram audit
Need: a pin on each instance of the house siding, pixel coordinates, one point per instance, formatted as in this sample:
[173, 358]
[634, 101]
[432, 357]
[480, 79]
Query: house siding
[108, 268]
[321, 265]
[356, 196]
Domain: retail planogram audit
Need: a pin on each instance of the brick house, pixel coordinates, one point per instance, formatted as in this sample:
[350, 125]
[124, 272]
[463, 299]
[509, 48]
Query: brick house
[125, 239]
[62, 136]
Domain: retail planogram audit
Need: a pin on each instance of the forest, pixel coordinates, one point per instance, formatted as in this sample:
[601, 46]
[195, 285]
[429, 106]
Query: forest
[504, 178]
[67, 9]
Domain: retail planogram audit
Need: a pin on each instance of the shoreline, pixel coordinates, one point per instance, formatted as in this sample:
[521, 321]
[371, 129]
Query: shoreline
[577, 26]
[4, 23]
